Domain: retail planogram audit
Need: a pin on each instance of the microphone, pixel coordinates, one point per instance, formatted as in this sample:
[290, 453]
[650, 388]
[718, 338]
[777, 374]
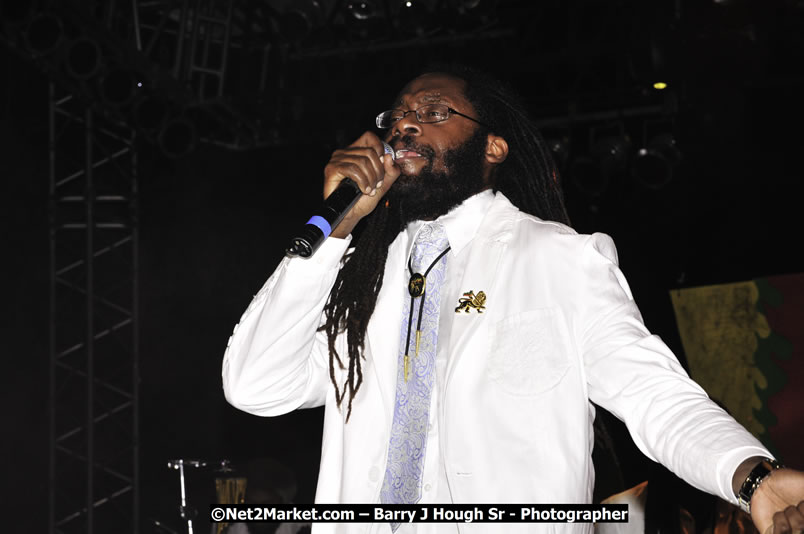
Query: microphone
[328, 217]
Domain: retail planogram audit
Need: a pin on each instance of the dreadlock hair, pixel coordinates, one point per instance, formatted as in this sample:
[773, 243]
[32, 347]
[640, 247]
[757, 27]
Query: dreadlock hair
[528, 177]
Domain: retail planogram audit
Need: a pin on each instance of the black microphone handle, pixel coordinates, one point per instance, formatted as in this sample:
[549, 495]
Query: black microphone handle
[328, 217]
[330, 214]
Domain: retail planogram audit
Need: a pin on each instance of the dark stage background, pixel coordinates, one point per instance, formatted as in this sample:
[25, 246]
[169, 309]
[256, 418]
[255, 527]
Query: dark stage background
[214, 222]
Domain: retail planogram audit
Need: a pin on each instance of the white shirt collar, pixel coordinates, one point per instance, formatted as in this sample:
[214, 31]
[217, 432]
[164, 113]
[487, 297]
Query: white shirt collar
[461, 223]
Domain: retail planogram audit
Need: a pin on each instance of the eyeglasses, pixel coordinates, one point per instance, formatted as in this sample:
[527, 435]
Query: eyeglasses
[425, 115]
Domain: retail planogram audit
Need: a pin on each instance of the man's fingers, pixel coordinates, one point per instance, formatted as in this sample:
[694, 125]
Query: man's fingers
[777, 506]
[795, 518]
[369, 146]
[780, 524]
[367, 157]
[364, 178]
[788, 521]
[359, 167]
[376, 163]
[391, 171]
[364, 163]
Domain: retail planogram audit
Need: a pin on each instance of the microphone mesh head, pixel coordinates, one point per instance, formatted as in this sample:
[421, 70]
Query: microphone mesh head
[389, 150]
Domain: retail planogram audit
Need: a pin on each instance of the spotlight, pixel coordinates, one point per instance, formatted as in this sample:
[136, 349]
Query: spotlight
[149, 114]
[362, 9]
[592, 174]
[366, 19]
[659, 86]
[586, 175]
[15, 12]
[467, 15]
[464, 5]
[653, 165]
[415, 16]
[119, 86]
[83, 59]
[559, 148]
[178, 137]
[415, 7]
[44, 34]
[300, 18]
[472, 7]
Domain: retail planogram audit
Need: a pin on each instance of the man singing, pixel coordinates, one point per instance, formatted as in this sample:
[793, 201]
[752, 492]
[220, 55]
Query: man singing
[459, 345]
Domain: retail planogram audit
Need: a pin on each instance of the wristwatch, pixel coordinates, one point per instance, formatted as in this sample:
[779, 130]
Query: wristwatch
[753, 480]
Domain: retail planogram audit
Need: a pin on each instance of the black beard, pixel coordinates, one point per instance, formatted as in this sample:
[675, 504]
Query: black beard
[431, 194]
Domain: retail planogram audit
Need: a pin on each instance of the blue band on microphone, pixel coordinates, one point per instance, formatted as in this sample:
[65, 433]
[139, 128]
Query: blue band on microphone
[322, 224]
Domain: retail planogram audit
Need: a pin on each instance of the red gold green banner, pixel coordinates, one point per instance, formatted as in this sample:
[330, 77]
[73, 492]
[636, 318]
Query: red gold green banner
[744, 343]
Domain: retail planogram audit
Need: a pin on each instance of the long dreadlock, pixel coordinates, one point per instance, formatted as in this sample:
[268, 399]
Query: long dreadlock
[528, 177]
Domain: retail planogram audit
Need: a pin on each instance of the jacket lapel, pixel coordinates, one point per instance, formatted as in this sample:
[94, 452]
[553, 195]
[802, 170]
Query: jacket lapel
[485, 254]
[382, 337]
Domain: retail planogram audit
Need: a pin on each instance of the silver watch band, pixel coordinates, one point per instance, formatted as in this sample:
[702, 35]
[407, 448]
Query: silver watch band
[759, 473]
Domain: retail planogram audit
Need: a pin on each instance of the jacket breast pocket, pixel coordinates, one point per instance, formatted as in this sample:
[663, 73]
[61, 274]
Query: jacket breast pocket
[529, 352]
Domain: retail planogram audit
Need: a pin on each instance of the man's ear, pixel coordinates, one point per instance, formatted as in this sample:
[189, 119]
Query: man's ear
[496, 149]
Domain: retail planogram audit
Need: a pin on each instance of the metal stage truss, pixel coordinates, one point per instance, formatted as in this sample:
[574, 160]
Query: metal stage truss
[95, 123]
[94, 325]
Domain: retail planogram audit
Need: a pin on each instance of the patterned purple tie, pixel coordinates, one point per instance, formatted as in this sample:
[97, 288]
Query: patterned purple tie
[416, 370]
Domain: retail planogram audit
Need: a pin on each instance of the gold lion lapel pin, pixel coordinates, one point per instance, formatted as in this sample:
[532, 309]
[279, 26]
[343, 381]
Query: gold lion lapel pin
[471, 301]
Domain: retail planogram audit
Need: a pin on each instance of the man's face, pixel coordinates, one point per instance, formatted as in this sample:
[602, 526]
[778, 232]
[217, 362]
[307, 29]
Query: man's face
[442, 163]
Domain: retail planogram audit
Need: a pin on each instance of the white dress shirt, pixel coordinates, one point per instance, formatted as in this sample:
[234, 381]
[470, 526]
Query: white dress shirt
[461, 225]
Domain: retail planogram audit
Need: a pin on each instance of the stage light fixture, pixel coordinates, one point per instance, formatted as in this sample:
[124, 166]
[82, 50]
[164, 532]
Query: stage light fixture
[416, 6]
[586, 175]
[472, 7]
[654, 164]
[608, 157]
[299, 18]
[362, 9]
[366, 19]
[119, 86]
[178, 137]
[83, 59]
[16, 12]
[465, 5]
[559, 149]
[149, 114]
[44, 34]
[415, 16]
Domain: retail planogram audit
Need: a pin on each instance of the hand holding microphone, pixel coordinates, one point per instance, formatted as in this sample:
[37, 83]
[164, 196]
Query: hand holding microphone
[355, 179]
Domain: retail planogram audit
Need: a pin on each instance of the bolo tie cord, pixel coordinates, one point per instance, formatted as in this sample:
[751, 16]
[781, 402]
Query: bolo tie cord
[421, 308]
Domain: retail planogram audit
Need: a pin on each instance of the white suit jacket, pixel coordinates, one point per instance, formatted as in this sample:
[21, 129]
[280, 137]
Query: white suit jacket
[560, 329]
